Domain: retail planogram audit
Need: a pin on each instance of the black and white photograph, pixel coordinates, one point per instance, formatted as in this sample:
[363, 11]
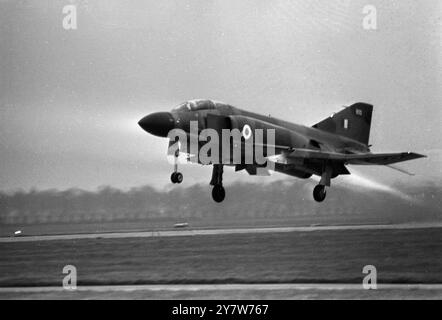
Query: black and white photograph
[232, 151]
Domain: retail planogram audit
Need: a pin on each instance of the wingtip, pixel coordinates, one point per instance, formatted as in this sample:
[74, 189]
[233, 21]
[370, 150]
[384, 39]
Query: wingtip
[417, 155]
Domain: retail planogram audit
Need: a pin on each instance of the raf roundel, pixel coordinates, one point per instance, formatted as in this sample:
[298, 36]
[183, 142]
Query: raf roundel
[246, 132]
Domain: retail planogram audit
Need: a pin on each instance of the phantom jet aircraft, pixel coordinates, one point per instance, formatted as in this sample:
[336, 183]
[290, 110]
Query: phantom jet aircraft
[325, 149]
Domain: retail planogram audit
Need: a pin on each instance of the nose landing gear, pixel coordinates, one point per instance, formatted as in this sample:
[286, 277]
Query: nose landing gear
[176, 177]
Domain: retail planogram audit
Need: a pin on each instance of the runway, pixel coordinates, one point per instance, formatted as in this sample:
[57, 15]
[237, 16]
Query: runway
[302, 262]
[226, 287]
[241, 291]
[204, 232]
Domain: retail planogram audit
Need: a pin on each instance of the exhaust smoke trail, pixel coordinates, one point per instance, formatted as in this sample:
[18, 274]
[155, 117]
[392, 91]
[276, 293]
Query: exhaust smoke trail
[365, 182]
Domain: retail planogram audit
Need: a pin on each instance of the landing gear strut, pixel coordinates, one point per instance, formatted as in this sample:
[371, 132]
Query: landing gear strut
[176, 177]
[218, 191]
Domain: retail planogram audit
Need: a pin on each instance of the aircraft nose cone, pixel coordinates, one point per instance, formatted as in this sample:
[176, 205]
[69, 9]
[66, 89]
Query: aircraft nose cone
[158, 123]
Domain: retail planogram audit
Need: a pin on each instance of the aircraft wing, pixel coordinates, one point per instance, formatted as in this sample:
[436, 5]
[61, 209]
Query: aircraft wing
[361, 159]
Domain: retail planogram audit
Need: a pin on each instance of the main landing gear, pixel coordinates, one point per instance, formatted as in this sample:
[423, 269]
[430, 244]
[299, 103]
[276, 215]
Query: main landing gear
[319, 191]
[218, 191]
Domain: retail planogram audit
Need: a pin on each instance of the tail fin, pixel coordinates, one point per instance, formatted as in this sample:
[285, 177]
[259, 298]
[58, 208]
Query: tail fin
[353, 122]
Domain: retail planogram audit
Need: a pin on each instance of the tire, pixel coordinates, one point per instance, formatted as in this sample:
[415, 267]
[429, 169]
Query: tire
[319, 193]
[173, 177]
[218, 193]
[178, 177]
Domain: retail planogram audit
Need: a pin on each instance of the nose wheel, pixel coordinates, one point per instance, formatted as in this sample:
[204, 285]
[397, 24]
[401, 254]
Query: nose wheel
[176, 177]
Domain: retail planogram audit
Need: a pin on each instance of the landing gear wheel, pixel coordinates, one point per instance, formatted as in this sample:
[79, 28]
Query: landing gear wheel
[319, 193]
[176, 177]
[179, 177]
[218, 193]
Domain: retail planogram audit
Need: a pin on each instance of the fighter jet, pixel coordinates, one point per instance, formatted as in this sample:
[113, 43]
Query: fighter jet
[324, 149]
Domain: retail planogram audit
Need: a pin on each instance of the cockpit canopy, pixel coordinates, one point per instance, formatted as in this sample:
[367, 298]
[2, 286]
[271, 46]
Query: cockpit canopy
[195, 105]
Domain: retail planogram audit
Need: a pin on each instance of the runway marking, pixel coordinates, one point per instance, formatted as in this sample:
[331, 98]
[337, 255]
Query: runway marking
[202, 232]
[223, 287]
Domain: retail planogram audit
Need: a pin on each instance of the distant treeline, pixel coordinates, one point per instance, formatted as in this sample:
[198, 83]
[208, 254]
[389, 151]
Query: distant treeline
[244, 200]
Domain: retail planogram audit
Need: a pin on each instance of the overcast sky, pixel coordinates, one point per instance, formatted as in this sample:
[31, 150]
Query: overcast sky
[70, 100]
